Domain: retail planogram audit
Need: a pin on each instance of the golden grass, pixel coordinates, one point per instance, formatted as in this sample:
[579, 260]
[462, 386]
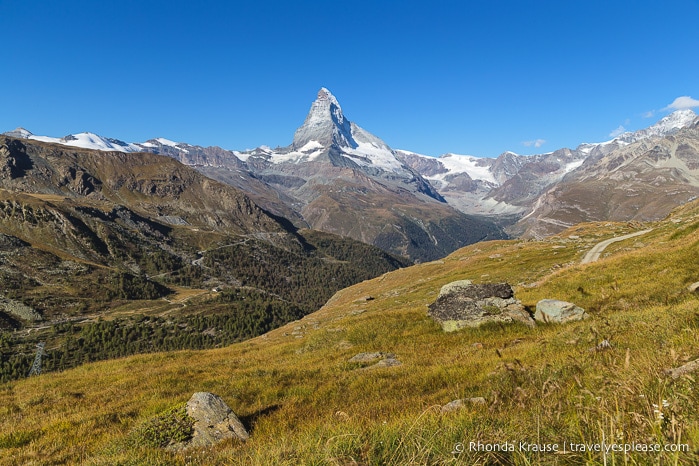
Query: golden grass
[305, 403]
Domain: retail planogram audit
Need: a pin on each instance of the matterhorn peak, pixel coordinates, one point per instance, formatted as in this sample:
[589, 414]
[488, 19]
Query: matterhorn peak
[325, 94]
[325, 124]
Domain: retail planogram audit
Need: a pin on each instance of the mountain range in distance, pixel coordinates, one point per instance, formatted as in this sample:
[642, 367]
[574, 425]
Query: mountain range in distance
[337, 177]
[160, 246]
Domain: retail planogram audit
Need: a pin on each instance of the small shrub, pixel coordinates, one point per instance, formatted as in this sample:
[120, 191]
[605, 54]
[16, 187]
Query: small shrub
[169, 428]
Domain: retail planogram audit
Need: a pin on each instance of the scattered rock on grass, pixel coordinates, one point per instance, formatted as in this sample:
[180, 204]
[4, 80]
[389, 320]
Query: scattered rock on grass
[385, 359]
[462, 403]
[364, 299]
[368, 357]
[464, 304]
[693, 287]
[388, 362]
[677, 372]
[559, 312]
[214, 421]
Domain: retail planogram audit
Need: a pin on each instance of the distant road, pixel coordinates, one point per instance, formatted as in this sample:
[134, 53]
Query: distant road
[594, 253]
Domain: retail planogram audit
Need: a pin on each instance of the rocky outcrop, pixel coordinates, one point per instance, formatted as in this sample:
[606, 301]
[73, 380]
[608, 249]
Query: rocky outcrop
[214, 421]
[464, 304]
[18, 309]
[559, 312]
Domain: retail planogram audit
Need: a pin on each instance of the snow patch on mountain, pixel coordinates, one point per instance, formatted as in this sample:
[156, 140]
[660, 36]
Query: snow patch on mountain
[475, 167]
[309, 151]
[90, 141]
[167, 142]
[569, 167]
[666, 126]
[19, 132]
[478, 168]
[369, 154]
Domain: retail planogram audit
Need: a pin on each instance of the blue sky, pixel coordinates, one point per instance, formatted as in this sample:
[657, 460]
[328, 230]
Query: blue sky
[467, 77]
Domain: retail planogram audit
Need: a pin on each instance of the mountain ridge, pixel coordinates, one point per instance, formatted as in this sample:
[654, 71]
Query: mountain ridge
[293, 181]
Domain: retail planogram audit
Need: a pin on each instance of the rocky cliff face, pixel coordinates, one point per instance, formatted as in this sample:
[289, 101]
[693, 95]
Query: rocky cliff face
[325, 125]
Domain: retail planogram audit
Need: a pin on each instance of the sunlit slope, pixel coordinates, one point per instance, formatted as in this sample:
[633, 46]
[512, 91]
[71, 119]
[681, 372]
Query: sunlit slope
[305, 403]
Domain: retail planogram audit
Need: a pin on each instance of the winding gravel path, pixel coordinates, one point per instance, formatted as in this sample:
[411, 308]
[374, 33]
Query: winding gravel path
[594, 253]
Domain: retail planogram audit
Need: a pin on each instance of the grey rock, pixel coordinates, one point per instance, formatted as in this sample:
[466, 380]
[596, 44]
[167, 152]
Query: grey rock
[456, 405]
[693, 287]
[385, 359]
[388, 362]
[214, 421]
[555, 311]
[464, 304]
[688, 368]
[172, 220]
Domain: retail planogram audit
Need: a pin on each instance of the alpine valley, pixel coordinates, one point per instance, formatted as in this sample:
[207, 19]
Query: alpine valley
[303, 275]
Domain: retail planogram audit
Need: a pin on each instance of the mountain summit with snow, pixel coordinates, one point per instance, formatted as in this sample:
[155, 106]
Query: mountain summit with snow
[325, 124]
[666, 126]
[343, 179]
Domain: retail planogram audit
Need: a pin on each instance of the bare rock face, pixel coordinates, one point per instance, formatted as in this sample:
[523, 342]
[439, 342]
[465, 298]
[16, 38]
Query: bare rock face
[464, 304]
[214, 421]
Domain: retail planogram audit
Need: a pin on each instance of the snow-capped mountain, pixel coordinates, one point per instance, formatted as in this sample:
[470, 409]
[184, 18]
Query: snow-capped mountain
[82, 140]
[665, 127]
[512, 183]
[334, 176]
[641, 181]
[339, 177]
[325, 125]
[345, 180]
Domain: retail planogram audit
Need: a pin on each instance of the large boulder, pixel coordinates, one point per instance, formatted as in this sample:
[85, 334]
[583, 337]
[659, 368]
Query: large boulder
[214, 421]
[559, 312]
[464, 304]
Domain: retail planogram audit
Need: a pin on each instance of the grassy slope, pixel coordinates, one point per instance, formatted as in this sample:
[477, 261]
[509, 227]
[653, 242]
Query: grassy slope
[306, 404]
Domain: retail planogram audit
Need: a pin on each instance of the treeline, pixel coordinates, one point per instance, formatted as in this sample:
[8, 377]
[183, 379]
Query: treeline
[238, 315]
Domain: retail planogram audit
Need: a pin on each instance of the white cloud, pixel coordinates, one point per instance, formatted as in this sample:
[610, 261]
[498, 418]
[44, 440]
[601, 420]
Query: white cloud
[648, 114]
[617, 131]
[682, 103]
[536, 143]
